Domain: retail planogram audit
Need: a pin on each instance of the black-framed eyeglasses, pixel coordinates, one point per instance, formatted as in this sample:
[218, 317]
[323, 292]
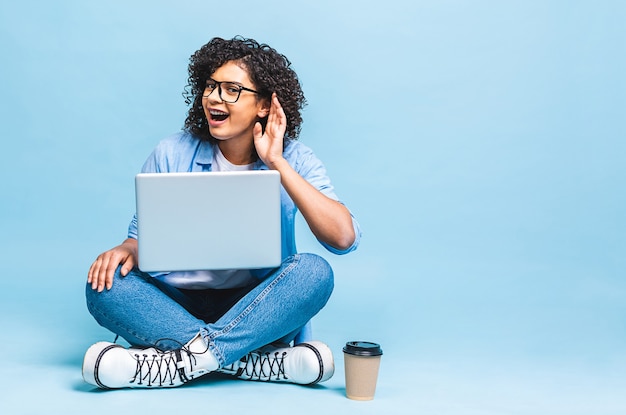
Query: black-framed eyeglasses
[228, 91]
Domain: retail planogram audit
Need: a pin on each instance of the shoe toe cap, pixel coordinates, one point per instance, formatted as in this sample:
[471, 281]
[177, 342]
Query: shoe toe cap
[312, 364]
[108, 366]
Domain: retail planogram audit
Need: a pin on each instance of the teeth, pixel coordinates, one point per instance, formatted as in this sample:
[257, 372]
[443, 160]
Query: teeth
[217, 113]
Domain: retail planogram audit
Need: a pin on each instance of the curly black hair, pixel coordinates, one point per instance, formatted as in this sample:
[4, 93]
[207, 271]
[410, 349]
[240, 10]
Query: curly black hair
[269, 70]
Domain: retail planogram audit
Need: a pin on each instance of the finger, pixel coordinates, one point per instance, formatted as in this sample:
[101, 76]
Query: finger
[274, 108]
[129, 264]
[257, 131]
[101, 276]
[90, 272]
[280, 112]
[108, 282]
[93, 269]
[271, 122]
[276, 105]
[94, 272]
[275, 101]
[279, 118]
[107, 278]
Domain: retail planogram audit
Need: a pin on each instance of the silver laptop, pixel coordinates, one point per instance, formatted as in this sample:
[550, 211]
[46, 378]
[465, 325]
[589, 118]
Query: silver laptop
[208, 221]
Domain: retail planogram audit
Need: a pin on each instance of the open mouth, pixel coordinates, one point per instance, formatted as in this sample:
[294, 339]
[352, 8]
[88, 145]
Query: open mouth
[217, 115]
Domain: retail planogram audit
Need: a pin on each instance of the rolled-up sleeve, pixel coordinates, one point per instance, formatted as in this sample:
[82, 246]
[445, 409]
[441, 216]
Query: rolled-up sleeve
[312, 170]
[155, 163]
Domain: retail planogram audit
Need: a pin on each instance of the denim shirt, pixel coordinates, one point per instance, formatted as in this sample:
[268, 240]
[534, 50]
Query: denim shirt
[182, 152]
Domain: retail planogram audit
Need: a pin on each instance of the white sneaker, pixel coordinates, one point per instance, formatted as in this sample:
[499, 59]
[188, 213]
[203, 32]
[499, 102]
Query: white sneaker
[306, 363]
[111, 366]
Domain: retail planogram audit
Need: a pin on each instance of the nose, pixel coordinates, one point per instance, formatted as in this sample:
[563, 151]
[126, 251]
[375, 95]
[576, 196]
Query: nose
[212, 97]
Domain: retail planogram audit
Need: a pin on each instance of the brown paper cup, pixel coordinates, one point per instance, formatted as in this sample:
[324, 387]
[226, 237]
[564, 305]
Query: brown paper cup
[361, 363]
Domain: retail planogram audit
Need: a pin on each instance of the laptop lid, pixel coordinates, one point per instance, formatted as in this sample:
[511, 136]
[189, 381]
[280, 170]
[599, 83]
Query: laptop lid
[208, 221]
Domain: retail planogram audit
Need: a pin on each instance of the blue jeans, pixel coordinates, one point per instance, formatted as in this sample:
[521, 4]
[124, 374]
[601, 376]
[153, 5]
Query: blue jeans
[148, 313]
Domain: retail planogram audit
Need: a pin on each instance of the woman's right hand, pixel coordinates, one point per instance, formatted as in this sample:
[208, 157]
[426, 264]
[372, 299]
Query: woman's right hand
[103, 269]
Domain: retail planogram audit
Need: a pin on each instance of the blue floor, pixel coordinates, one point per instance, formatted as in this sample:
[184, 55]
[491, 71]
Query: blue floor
[443, 354]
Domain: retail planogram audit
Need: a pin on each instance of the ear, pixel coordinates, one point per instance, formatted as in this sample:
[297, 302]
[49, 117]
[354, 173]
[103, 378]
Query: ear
[264, 109]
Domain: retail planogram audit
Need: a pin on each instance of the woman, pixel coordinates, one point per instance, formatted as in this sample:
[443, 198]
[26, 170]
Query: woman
[244, 115]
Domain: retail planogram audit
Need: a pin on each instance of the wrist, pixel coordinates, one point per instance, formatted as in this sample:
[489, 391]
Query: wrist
[278, 164]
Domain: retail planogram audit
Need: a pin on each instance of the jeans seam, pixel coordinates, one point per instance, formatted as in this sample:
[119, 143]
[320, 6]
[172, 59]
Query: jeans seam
[259, 298]
[95, 310]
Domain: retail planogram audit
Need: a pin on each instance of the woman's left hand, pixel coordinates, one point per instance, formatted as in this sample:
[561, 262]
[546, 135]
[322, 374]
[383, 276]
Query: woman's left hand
[269, 143]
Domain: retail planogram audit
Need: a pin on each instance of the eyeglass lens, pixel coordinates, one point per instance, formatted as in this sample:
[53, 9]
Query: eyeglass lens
[228, 91]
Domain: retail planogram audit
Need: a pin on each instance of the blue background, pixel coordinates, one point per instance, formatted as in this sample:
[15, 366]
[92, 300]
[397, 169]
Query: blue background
[479, 143]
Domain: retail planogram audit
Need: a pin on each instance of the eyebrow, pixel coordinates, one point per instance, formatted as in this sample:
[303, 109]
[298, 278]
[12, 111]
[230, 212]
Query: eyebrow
[228, 82]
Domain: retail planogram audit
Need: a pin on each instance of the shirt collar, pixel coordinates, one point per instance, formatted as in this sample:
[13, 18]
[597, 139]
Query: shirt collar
[204, 158]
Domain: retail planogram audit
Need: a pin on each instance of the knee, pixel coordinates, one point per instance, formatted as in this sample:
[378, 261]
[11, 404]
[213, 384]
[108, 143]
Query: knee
[89, 292]
[319, 272]
[121, 288]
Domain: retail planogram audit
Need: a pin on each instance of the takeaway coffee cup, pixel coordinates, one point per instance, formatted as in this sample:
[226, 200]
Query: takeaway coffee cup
[361, 360]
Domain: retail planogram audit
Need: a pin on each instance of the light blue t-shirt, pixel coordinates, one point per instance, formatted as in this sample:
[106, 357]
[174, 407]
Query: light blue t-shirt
[182, 152]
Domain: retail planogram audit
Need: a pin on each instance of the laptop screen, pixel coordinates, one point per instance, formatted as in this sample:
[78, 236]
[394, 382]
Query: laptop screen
[208, 221]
